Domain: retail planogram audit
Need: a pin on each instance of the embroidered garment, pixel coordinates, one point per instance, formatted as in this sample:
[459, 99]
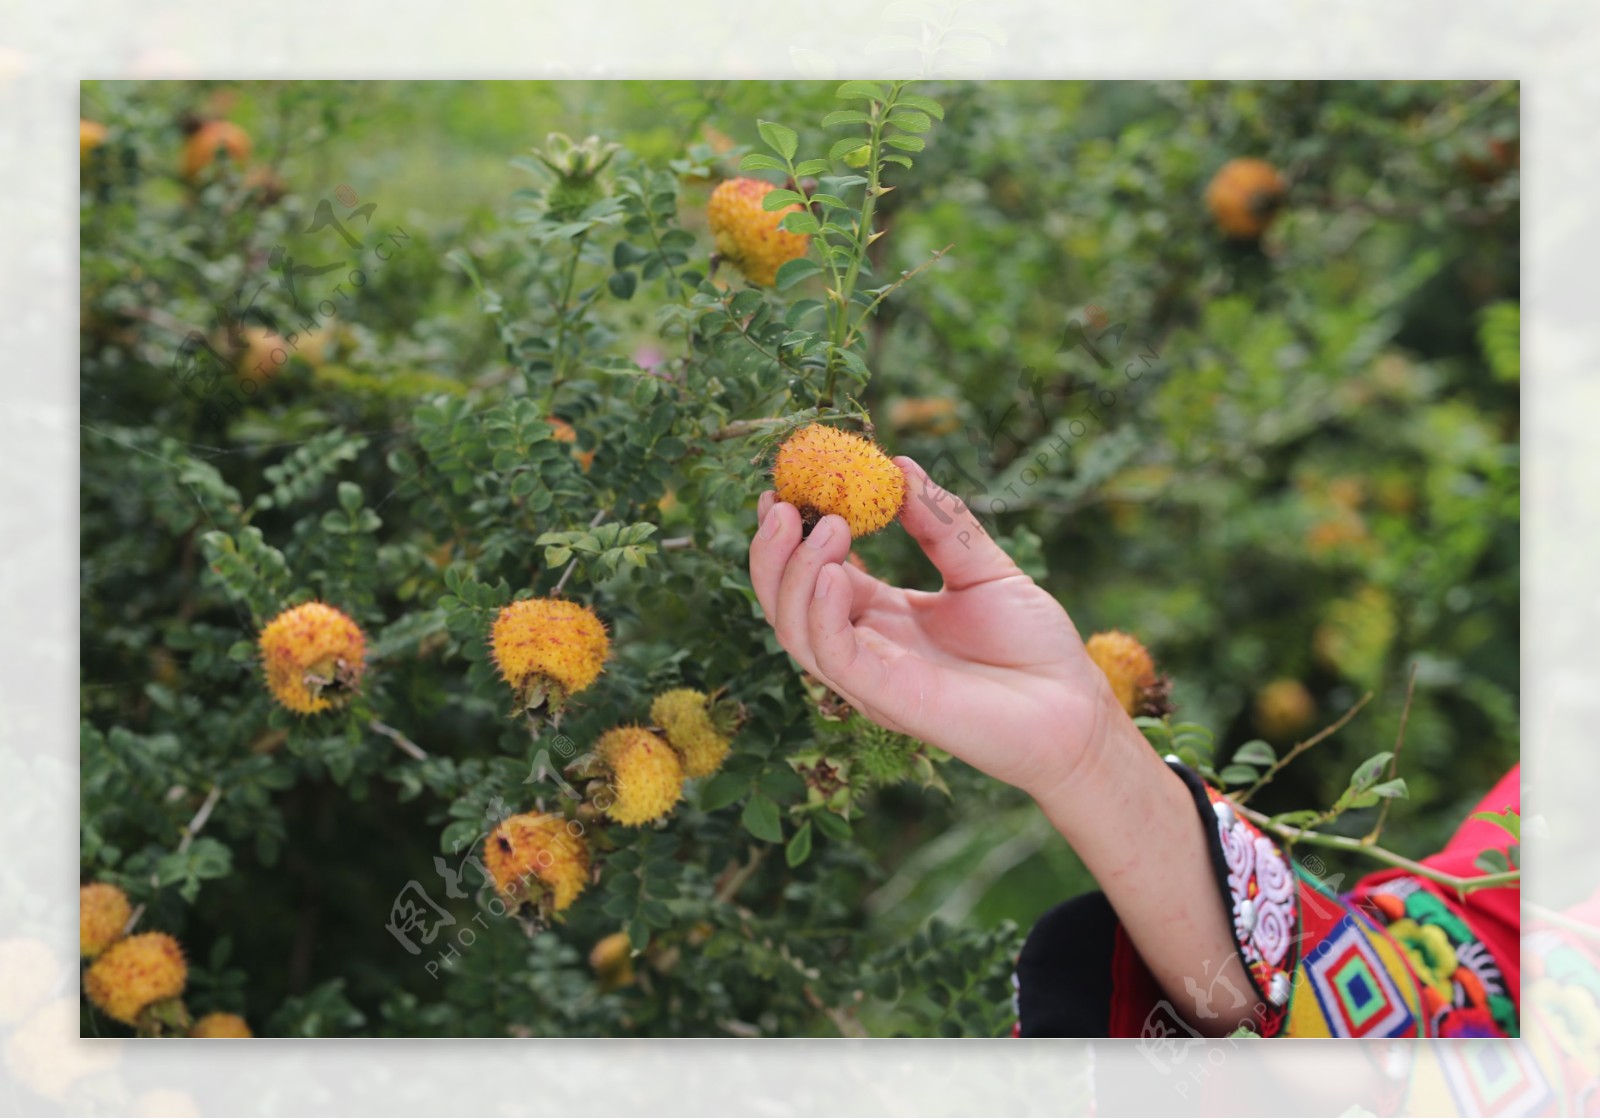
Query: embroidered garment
[1397, 956]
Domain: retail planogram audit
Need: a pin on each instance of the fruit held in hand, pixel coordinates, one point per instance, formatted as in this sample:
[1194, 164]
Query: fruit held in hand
[1131, 671]
[537, 858]
[691, 729]
[548, 650]
[207, 139]
[821, 471]
[219, 1024]
[1244, 197]
[103, 913]
[646, 775]
[749, 236]
[136, 975]
[313, 656]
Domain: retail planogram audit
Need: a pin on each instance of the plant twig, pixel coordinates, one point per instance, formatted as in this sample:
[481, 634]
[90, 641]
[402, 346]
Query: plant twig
[573, 562]
[738, 429]
[1302, 747]
[677, 544]
[190, 830]
[736, 878]
[1394, 762]
[399, 739]
[1462, 886]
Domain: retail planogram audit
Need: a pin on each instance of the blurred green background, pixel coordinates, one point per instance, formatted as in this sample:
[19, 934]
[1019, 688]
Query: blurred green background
[1310, 490]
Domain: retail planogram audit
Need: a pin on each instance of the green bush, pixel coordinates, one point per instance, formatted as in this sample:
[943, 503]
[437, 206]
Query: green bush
[325, 372]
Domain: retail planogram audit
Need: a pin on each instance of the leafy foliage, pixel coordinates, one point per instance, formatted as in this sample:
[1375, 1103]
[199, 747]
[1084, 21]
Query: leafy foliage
[1290, 459]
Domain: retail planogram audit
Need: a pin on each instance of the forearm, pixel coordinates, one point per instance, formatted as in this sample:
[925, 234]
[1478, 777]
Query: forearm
[1133, 823]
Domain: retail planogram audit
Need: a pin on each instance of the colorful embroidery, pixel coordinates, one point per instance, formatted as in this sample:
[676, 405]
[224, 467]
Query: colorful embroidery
[1262, 888]
[1353, 987]
[1464, 993]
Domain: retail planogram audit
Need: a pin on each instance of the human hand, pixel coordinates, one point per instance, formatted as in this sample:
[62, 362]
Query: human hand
[989, 668]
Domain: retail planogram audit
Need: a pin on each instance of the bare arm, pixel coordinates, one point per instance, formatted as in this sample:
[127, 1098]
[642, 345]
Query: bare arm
[991, 669]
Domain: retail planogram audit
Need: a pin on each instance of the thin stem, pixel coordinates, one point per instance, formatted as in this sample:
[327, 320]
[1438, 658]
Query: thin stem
[1394, 762]
[1462, 886]
[558, 363]
[1302, 747]
[738, 429]
[399, 739]
[573, 562]
[192, 829]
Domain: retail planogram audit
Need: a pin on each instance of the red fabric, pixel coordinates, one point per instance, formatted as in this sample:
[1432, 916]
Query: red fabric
[1135, 993]
[1495, 915]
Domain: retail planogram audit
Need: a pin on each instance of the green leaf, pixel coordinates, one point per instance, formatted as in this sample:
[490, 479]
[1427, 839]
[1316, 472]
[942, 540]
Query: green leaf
[1255, 752]
[799, 848]
[1508, 822]
[722, 790]
[623, 284]
[794, 271]
[1492, 861]
[1391, 790]
[777, 199]
[844, 147]
[906, 143]
[761, 819]
[1368, 772]
[800, 221]
[918, 101]
[910, 120]
[1238, 775]
[813, 167]
[845, 116]
[784, 141]
[760, 161]
[861, 91]
[833, 826]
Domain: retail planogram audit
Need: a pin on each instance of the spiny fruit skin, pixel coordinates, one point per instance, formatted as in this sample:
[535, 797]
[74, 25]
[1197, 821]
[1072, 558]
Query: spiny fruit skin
[612, 961]
[314, 656]
[646, 775]
[219, 1024]
[1126, 663]
[548, 649]
[1283, 709]
[136, 973]
[821, 470]
[536, 855]
[748, 235]
[685, 715]
[200, 150]
[103, 913]
[1244, 197]
[91, 134]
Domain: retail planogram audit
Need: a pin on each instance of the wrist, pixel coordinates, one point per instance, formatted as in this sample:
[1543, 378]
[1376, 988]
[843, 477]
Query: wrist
[1116, 763]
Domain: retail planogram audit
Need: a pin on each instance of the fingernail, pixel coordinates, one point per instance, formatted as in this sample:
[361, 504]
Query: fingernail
[822, 533]
[822, 583]
[769, 527]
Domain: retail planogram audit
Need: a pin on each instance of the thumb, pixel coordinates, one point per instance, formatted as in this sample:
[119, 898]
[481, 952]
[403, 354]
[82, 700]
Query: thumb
[949, 534]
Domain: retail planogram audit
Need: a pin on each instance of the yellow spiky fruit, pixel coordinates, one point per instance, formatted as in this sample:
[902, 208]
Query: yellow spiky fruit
[219, 1024]
[685, 715]
[646, 775]
[314, 656]
[135, 975]
[103, 913]
[821, 470]
[1244, 196]
[539, 858]
[1127, 665]
[749, 236]
[548, 650]
[612, 961]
